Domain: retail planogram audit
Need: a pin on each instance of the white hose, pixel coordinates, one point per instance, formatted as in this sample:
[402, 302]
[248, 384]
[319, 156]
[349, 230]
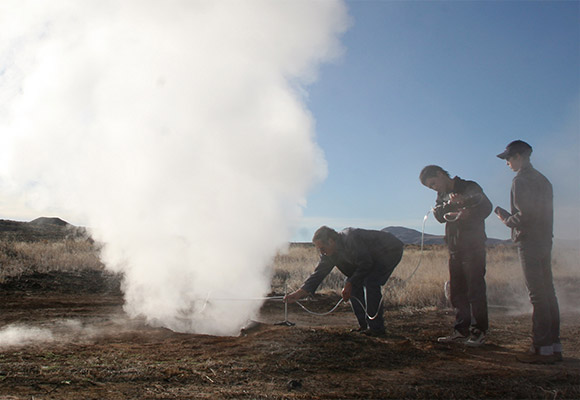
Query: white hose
[422, 243]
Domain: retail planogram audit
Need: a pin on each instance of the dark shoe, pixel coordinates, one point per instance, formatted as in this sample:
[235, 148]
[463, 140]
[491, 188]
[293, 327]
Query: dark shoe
[476, 339]
[455, 337]
[535, 358]
[374, 332]
[360, 329]
[557, 347]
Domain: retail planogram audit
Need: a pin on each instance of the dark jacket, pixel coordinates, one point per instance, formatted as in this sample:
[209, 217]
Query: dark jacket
[360, 253]
[469, 231]
[532, 207]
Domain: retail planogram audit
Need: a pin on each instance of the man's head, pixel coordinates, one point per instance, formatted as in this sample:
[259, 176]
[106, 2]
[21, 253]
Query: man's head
[517, 154]
[325, 239]
[436, 178]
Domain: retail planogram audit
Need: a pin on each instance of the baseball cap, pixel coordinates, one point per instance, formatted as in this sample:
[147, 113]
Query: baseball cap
[515, 147]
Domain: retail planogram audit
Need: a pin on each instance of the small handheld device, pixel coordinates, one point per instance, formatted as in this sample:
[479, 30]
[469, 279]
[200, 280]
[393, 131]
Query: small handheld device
[504, 214]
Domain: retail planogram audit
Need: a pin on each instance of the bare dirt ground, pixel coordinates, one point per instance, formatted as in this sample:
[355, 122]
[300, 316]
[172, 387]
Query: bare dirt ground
[96, 352]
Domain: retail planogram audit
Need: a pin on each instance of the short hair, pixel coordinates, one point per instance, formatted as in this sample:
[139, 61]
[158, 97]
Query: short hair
[324, 233]
[431, 171]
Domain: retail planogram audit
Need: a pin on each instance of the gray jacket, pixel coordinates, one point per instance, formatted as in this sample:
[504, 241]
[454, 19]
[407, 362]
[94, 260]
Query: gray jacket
[532, 207]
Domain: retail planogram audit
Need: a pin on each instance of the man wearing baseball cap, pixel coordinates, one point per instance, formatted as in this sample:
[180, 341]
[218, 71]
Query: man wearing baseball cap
[531, 222]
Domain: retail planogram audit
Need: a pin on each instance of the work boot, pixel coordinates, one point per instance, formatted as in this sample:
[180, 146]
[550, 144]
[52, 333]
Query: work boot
[360, 329]
[557, 347]
[534, 356]
[374, 332]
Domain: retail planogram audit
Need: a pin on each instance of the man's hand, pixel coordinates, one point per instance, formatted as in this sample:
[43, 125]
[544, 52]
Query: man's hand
[346, 291]
[502, 214]
[295, 296]
[456, 198]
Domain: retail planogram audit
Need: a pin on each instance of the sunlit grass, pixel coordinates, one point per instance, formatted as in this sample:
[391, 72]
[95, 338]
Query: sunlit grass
[25, 258]
[424, 288]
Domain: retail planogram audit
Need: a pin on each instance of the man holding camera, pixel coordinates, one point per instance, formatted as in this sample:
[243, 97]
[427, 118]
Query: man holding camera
[463, 207]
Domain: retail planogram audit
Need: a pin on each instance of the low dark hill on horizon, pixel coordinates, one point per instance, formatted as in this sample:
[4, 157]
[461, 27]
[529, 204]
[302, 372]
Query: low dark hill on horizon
[54, 228]
[43, 228]
[49, 221]
[412, 236]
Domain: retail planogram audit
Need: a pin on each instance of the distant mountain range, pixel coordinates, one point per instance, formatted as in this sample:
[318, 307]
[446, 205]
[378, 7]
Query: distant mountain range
[53, 228]
[412, 236]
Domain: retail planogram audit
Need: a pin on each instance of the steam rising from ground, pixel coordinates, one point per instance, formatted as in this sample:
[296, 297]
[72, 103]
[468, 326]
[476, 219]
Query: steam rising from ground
[62, 331]
[20, 335]
[176, 130]
[56, 331]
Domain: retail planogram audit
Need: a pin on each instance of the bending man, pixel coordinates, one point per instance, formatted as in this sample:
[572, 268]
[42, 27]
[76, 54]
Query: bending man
[367, 258]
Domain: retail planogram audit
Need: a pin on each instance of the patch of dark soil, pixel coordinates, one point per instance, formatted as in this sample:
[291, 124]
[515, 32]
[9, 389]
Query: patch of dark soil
[86, 281]
[96, 352]
[316, 350]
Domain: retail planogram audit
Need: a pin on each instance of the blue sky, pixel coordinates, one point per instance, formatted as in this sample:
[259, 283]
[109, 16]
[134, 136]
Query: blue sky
[447, 83]
[419, 82]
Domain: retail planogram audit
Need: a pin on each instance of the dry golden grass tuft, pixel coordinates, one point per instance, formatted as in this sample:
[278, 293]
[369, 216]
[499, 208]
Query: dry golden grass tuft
[26, 258]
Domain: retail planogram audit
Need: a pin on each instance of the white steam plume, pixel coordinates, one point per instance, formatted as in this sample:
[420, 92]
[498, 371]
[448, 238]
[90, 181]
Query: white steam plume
[61, 331]
[175, 130]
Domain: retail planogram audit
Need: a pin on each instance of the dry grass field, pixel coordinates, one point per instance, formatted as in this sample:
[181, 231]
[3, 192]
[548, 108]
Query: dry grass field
[418, 281]
[26, 258]
[425, 287]
[64, 335]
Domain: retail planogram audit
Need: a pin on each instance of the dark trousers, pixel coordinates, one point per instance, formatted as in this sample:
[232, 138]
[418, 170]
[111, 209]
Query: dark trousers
[369, 294]
[468, 289]
[536, 260]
